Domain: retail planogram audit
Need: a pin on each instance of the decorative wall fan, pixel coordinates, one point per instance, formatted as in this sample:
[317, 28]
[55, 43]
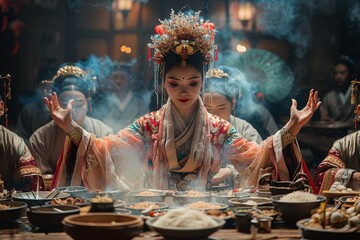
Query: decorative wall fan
[265, 71]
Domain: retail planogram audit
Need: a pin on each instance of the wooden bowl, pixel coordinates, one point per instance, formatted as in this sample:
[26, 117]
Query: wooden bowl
[95, 226]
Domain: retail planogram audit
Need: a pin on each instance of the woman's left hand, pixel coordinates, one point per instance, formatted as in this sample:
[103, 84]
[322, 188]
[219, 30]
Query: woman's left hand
[298, 118]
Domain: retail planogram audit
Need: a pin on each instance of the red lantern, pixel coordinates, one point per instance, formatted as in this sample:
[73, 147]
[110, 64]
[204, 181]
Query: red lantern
[17, 27]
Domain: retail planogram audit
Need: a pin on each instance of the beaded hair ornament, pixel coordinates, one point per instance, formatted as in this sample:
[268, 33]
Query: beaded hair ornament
[183, 34]
[72, 70]
[231, 78]
[7, 95]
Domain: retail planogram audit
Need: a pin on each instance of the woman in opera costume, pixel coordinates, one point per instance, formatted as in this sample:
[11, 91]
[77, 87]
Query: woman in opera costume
[342, 164]
[180, 146]
[17, 166]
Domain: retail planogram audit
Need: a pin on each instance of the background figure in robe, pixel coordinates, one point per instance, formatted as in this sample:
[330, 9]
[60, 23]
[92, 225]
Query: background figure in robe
[220, 95]
[34, 115]
[17, 167]
[342, 163]
[120, 105]
[47, 142]
[336, 104]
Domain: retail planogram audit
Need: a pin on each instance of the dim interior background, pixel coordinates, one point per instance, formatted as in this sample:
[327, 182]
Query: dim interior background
[308, 35]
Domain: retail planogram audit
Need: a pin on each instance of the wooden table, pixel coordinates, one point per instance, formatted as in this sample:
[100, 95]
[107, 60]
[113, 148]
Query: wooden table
[225, 234]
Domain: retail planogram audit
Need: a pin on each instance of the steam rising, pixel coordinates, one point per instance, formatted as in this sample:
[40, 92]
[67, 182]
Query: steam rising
[290, 20]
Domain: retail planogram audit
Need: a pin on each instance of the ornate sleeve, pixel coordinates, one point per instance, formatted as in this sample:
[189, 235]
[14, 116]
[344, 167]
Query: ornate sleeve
[333, 168]
[27, 173]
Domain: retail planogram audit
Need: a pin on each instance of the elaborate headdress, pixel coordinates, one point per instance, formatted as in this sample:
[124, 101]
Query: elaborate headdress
[184, 35]
[224, 80]
[7, 95]
[72, 77]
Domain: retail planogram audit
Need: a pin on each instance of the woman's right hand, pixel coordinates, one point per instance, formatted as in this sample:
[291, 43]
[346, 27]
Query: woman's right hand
[62, 117]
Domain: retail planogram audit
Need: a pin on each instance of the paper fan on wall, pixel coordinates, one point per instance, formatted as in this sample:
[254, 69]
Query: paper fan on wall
[264, 70]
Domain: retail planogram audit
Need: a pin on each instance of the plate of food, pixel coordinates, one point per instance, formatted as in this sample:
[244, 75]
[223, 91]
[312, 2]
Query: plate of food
[69, 201]
[10, 211]
[204, 206]
[145, 207]
[250, 201]
[262, 211]
[224, 197]
[182, 198]
[185, 223]
[312, 230]
[147, 195]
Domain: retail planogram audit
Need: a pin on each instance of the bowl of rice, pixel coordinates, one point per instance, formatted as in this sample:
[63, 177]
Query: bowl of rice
[182, 198]
[138, 208]
[152, 195]
[185, 223]
[296, 205]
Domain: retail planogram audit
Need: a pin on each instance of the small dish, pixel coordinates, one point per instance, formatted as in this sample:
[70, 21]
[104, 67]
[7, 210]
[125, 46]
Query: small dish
[150, 195]
[137, 208]
[250, 201]
[15, 211]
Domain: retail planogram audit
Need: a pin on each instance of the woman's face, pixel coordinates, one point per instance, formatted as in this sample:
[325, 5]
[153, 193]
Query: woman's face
[218, 104]
[183, 85]
[80, 106]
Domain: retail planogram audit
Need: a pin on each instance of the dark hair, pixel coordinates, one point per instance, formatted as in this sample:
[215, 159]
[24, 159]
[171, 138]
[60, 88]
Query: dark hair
[345, 60]
[196, 60]
[70, 83]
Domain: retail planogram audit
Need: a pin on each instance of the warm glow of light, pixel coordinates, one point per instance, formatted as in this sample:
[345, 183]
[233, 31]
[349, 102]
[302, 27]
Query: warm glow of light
[123, 48]
[128, 50]
[122, 5]
[245, 11]
[240, 48]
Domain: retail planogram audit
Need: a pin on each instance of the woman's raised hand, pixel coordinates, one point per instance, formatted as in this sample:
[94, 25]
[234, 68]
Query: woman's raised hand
[298, 118]
[62, 117]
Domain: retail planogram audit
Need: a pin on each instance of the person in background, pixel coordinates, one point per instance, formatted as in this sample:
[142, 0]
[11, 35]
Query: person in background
[220, 96]
[222, 89]
[34, 115]
[336, 104]
[46, 143]
[120, 104]
[342, 164]
[17, 166]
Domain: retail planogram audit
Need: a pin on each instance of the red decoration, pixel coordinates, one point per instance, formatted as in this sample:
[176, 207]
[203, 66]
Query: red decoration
[216, 54]
[159, 30]
[149, 54]
[208, 25]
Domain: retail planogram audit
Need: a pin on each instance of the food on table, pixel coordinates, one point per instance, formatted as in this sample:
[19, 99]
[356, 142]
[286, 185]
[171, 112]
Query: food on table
[260, 212]
[102, 199]
[194, 194]
[337, 187]
[250, 202]
[220, 214]
[204, 205]
[156, 214]
[185, 218]
[4, 207]
[336, 218]
[144, 205]
[146, 194]
[299, 196]
[68, 201]
[352, 199]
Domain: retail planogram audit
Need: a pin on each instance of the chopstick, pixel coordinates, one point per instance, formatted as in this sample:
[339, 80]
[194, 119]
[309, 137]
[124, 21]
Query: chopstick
[37, 188]
[53, 193]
